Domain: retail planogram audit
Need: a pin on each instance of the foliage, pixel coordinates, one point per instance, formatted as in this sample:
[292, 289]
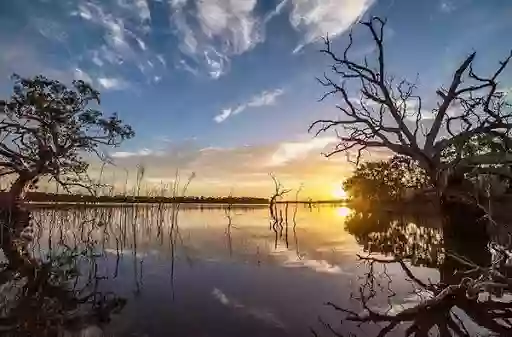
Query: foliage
[46, 129]
[385, 180]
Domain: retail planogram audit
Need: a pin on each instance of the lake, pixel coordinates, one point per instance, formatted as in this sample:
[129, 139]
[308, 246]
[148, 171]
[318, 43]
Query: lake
[232, 271]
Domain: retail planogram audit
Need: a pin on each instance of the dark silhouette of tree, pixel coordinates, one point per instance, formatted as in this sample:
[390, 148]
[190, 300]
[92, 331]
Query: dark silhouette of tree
[388, 113]
[48, 130]
[470, 291]
[279, 192]
[466, 133]
[387, 180]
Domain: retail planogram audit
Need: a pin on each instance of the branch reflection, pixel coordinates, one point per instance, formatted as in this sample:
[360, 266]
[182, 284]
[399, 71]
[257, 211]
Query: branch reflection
[471, 297]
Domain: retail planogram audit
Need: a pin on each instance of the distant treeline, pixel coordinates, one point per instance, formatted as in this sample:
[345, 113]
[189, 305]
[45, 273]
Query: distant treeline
[83, 198]
[43, 197]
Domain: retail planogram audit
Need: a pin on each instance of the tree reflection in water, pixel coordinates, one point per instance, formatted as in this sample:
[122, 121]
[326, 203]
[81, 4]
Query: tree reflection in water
[56, 292]
[473, 294]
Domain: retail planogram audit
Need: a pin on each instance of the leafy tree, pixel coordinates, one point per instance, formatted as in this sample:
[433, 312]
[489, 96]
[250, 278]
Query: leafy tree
[47, 129]
[385, 180]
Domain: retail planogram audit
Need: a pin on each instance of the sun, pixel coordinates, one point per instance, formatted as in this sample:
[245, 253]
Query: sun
[339, 193]
[343, 212]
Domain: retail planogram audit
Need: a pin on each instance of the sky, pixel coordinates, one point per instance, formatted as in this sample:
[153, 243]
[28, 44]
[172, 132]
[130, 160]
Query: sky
[226, 88]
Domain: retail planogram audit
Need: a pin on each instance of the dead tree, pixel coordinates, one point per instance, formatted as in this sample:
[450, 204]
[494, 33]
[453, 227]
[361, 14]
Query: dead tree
[48, 131]
[279, 192]
[384, 112]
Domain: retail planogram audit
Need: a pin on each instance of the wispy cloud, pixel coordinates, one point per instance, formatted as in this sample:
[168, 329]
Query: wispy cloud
[124, 25]
[128, 154]
[265, 98]
[446, 6]
[216, 30]
[318, 18]
[290, 151]
[110, 83]
[276, 11]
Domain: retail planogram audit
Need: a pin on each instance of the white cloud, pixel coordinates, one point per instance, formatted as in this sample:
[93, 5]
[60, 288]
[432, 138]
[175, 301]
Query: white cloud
[316, 18]
[265, 98]
[446, 6]
[223, 115]
[125, 25]
[216, 63]
[177, 4]
[143, 8]
[276, 11]
[182, 64]
[289, 151]
[138, 7]
[216, 30]
[232, 21]
[126, 154]
[111, 83]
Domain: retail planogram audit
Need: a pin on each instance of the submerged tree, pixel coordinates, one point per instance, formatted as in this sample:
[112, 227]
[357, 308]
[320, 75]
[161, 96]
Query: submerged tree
[47, 130]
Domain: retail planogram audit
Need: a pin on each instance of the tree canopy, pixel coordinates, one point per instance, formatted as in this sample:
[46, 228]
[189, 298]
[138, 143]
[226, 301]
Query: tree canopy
[47, 129]
[386, 180]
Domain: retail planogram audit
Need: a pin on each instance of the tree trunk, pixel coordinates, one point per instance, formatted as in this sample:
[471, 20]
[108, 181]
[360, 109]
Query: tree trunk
[15, 218]
[464, 229]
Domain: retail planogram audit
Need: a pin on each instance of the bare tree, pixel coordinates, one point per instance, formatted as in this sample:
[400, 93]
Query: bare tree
[49, 130]
[279, 192]
[434, 312]
[388, 113]
[379, 111]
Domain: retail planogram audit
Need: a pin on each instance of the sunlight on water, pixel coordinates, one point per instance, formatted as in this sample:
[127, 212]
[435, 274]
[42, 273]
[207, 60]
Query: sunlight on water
[343, 212]
[223, 267]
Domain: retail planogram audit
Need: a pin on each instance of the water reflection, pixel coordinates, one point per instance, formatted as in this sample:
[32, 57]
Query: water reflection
[343, 211]
[53, 298]
[471, 297]
[232, 272]
[222, 267]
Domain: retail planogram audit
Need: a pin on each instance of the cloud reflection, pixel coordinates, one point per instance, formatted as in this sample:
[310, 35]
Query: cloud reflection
[256, 313]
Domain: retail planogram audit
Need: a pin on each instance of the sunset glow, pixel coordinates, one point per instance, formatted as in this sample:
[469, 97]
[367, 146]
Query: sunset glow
[343, 212]
[339, 193]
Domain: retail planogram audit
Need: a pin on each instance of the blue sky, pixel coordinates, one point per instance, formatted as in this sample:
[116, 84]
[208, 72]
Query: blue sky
[226, 88]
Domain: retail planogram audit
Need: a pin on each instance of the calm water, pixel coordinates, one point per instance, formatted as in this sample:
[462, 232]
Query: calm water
[233, 272]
